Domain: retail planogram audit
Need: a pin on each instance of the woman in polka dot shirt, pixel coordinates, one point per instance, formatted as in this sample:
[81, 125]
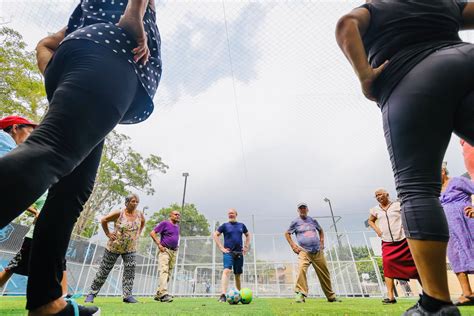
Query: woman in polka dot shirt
[101, 70]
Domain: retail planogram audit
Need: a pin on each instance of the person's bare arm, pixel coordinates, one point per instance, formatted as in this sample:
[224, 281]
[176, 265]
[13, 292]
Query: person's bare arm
[46, 48]
[349, 32]
[296, 249]
[111, 217]
[321, 239]
[216, 236]
[371, 223]
[247, 243]
[142, 224]
[468, 17]
[132, 22]
[155, 238]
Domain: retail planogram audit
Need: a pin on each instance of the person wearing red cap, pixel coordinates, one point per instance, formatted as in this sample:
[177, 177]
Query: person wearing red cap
[101, 70]
[14, 131]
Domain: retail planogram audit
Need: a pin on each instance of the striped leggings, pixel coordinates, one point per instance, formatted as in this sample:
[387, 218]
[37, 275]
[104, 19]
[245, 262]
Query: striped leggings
[108, 262]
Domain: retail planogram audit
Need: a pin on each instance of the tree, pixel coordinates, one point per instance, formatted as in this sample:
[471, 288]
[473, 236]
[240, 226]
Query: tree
[21, 84]
[121, 171]
[192, 222]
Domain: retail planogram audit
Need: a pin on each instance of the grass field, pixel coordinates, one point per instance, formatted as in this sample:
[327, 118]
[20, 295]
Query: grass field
[208, 307]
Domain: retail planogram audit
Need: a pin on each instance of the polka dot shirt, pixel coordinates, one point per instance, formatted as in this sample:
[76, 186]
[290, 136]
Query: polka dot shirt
[95, 20]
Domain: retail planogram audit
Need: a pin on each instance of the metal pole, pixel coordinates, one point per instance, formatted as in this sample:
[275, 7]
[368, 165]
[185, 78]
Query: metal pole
[175, 272]
[185, 175]
[376, 267]
[254, 256]
[84, 263]
[213, 277]
[355, 265]
[333, 220]
[277, 279]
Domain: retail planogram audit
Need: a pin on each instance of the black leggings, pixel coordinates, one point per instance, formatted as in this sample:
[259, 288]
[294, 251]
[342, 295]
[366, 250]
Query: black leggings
[89, 89]
[435, 99]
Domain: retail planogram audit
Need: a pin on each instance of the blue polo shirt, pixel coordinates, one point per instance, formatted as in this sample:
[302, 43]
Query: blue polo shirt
[307, 233]
[233, 235]
[7, 143]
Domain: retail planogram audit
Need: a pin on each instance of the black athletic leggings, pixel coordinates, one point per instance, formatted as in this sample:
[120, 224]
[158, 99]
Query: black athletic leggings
[435, 99]
[90, 89]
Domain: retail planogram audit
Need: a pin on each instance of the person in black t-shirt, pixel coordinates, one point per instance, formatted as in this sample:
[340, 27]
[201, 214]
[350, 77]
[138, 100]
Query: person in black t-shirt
[409, 58]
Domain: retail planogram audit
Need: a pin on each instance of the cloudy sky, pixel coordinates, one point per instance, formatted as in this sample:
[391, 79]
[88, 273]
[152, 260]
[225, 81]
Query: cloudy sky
[258, 104]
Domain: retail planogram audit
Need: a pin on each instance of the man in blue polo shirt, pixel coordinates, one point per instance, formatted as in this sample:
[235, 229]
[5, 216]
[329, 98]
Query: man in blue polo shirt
[232, 249]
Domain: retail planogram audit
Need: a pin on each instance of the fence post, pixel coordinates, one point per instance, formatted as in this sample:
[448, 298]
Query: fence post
[175, 274]
[354, 262]
[376, 267]
[84, 262]
[277, 279]
[254, 256]
[213, 277]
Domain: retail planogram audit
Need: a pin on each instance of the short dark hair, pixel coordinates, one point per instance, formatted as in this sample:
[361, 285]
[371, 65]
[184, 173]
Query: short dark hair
[9, 129]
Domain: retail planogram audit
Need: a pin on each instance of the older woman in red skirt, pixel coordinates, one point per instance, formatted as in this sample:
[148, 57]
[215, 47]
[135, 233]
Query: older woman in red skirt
[397, 260]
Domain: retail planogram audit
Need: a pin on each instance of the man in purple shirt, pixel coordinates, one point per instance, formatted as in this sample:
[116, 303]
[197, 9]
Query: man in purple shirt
[168, 245]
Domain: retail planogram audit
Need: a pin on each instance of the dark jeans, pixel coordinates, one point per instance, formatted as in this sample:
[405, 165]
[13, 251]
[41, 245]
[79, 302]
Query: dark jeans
[435, 99]
[89, 89]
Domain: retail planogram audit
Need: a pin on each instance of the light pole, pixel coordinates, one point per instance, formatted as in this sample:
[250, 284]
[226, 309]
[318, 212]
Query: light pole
[185, 175]
[333, 220]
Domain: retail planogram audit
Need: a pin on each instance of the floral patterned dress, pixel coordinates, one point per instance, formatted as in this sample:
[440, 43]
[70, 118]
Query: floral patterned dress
[127, 234]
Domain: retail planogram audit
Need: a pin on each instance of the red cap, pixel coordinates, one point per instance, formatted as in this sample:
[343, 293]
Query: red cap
[13, 119]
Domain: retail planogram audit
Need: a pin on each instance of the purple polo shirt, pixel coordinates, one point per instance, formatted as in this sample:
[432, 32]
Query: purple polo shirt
[169, 234]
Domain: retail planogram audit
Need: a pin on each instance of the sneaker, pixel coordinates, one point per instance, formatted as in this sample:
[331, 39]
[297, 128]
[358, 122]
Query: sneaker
[446, 310]
[156, 298]
[334, 299]
[73, 309]
[89, 298]
[222, 299]
[387, 301]
[130, 300]
[166, 298]
[300, 298]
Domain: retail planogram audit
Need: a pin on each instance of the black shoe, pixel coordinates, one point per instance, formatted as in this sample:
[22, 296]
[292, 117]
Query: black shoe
[446, 310]
[130, 300]
[387, 301]
[333, 300]
[222, 299]
[72, 306]
[166, 298]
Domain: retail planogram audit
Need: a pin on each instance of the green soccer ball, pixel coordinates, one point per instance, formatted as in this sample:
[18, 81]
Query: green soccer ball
[246, 295]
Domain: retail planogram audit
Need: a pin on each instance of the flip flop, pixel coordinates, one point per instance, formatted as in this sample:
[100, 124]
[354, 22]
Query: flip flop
[469, 302]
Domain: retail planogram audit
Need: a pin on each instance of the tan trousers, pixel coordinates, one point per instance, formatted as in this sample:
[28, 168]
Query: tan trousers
[318, 261]
[166, 262]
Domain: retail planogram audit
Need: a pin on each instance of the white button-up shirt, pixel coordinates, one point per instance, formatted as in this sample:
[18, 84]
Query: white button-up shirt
[389, 222]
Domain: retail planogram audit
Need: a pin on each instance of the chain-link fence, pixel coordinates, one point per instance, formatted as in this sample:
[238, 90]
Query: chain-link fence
[270, 267]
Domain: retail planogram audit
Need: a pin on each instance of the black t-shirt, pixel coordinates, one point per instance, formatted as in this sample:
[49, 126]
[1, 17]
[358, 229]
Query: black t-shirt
[405, 32]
